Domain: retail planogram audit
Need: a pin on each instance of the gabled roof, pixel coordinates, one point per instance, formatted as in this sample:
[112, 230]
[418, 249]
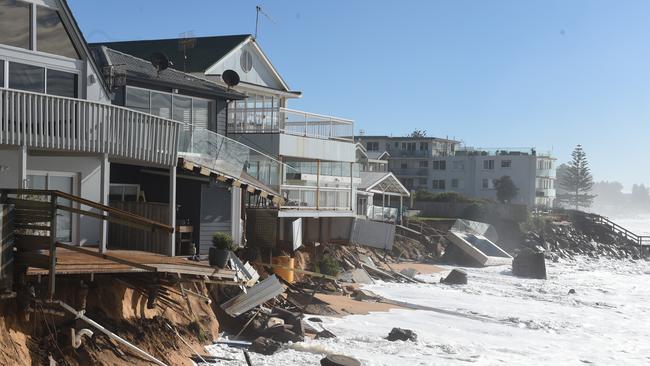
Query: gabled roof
[204, 53]
[382, 183]
[142, 70]
[378, 155]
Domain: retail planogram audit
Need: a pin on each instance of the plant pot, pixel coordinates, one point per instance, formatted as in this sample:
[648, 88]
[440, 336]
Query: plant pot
[218, 257]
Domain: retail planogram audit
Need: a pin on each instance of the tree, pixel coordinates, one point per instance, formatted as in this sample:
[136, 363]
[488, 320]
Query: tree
[506, 189]
[576, 181]
[640, 195]
[418, 133]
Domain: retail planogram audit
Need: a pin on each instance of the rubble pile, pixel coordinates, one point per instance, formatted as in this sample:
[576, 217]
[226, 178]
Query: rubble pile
[569, 239]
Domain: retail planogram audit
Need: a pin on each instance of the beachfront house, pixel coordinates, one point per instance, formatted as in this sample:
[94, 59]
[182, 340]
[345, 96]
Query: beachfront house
[58, 130]
[318, 177]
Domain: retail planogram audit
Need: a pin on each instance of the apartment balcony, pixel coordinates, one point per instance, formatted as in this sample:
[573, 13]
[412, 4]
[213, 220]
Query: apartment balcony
[546, 173]
[545, 192]
[52, 123]
[304, 197]
[291, 122]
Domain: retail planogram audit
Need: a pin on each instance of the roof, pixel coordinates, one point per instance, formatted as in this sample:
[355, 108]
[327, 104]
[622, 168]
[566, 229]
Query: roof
[377, 155]
[204, 53]
[382, 182]
[142, 70]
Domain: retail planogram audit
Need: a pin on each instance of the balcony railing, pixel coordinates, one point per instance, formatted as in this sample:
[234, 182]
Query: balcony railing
[293, 122]
[220, 153]
[313, 198]
[67, 124]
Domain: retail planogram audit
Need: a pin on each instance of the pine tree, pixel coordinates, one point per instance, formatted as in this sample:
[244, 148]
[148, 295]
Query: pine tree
[576, 181]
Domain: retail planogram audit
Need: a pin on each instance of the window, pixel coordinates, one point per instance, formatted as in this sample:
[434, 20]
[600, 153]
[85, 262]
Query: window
[486, 183]
[246, 61]
[2, 74]
[201, 113]
[424, 164]
[124, 192]
[182, 109]
[61, 83]
[404, 166]
[424, 146]
[372, 146]
[51, 36]
[15, 17]
[387, 146]
[422, 181]
[396, 144]
[161, 104]
[488, 164]
[26, 77]
[439, 165]
[506, 163]
[408, 146]
[438, 184]
[456, 183]
[458, 165]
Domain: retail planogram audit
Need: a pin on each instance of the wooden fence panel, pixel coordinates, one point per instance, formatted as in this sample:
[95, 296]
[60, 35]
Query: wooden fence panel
[123, 237]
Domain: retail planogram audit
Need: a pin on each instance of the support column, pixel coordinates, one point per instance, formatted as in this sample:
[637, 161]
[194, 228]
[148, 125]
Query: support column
[172, 211]
[22, 174]
[401, 210]
[104, 191]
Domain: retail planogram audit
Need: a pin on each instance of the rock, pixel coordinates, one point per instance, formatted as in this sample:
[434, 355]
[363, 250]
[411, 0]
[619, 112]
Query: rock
[399, 334]
[325, 334]
[339, 360]
[357, 275]
[529, 264]
[366, 295]
[572, 291]
[265, 346]
[315, 320]
[455, 277]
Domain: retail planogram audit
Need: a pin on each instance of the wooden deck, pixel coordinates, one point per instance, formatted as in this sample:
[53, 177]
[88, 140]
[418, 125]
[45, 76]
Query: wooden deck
[71, 262]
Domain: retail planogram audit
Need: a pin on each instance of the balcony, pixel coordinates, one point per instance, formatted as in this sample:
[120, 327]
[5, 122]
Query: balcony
[54, 123]
[411, 172]
[230, 157]
[291, 122]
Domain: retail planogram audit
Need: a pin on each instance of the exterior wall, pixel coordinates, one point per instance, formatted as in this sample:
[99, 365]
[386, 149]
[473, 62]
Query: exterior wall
[314, 148]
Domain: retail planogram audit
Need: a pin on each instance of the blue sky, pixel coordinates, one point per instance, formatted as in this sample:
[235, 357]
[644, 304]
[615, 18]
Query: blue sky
[550, 74]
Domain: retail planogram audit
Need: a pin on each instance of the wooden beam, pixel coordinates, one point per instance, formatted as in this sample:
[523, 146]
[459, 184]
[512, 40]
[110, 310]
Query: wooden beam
[32, 260]
[205, 171]
[107, 257]
[27, 243]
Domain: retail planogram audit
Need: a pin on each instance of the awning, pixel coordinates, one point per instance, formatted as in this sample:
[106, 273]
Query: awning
[246, 181]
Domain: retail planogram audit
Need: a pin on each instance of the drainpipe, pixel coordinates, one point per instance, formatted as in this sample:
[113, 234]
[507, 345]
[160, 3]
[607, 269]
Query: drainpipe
[111, 335]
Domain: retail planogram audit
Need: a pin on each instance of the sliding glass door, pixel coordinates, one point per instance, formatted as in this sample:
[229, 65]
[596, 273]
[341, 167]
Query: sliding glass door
[64, 182]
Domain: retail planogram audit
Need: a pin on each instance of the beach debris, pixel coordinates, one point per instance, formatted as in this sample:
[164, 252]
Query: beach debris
[247, 357]
[475, 244]
[339, 360]
[315, 320]
[366, 295]
[409, 272]
[455, 277]
[265, 346]
[357, 275]
[274, 322]
[255, 296]
[399, 334]
[529, 264]
[323, 334]
[572, 292]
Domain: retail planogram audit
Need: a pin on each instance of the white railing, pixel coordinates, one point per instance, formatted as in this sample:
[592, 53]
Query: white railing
[57, 123]
[379, 213]
[313, 198]
[293, 122]
[301, 123]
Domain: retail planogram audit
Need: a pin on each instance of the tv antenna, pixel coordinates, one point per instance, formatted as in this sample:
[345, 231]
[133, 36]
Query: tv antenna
[186, 42]
[258, 10]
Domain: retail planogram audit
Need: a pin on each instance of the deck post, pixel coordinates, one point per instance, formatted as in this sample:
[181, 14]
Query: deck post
[401, 210]
[22, 174]
[52, 269]
[172, 210]
[104, 189]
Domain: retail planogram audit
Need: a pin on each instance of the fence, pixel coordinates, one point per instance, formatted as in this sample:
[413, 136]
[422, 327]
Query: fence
[126, 237]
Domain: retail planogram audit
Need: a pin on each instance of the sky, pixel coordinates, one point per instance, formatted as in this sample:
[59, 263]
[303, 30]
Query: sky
[545, 74]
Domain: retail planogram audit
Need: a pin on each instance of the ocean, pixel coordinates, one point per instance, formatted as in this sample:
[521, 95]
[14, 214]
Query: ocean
[498, 319]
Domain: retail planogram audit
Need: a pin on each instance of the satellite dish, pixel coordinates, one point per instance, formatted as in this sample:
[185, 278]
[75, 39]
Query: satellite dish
[159, 61]
[230, 77]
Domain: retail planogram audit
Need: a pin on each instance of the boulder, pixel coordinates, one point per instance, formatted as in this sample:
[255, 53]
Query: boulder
[265, 346]
[339, 360]
[325, 334]
[455, 277]
[399, 334]
[530, 264]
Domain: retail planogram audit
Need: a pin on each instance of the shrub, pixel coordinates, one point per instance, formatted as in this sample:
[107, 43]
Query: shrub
[475, 212]
[223, 241]
[328, 266]
[447, 197]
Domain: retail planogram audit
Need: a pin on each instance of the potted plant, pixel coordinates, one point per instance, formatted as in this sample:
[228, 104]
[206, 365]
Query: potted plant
[222, 247]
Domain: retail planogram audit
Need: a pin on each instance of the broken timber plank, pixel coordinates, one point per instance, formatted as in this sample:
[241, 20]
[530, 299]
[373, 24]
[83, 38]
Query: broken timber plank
[107, 257]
